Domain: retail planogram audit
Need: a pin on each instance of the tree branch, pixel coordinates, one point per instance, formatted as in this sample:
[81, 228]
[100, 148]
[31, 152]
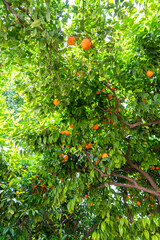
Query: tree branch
[88, 233]
[8, 6]
[117, 112]
[126, 206]
[102, 174]
[156, 193]
[146, 175]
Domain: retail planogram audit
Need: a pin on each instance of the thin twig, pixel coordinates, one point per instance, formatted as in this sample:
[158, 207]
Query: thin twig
[8, 6]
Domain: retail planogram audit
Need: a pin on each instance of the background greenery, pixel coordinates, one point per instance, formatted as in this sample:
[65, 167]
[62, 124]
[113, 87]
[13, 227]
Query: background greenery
[86, 196]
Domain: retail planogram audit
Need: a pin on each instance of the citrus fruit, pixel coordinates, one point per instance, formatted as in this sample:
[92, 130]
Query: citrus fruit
[149, 73]
[86, 44]
[71, 40]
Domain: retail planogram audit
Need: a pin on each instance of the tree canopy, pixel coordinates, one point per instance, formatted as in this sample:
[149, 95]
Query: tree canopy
[80, 133]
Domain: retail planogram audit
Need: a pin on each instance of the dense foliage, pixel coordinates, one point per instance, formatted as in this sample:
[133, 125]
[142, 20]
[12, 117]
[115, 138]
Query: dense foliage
[80, 131]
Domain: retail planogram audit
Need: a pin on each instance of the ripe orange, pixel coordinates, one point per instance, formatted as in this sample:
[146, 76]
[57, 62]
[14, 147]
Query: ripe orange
[56, 101]
[65, 157]
[61, 179]
[88, 185]
[66, 132]
[123, 127]
[97, 161]
[143, 100]
[151, 205]
[157, 168]
[104, 155]
[95, 127]
[138, 203]
[86, 44]
[91, 204]
[113, 88]
[109, 96]
[62, 132]
[153, 167]
[119, 110]
[60, 156]
[87, 146]
[152, 215]
[44, 196]
[71, 126]
[117, 217]
[71, 40]
[149, 73]
[77, 74]
[104, 122]
[42, 130]
[103, 89]
[86, 196]
[128, 196]
[52, 187]
[82, 74]
[98, 92]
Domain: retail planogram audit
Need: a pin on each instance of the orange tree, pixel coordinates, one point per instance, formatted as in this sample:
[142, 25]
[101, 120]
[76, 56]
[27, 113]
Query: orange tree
[88, 75]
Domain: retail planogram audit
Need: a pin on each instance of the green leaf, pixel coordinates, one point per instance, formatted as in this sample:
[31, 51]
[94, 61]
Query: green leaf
[146, 234]
[103, 226]
[36, 23]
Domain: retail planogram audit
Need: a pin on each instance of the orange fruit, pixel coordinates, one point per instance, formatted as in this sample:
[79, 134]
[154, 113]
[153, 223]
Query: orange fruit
[157, 168]
[86, 196]
[88, 185]
[52, 187]
[123, 127]
[128, 196]
[77, 74]
[82, 74]
[56, 101]
[152, 215]
[153, 167]
[113, 88]
[86, 44]
[117, 217]
[87, 146]
[44, 196]
[60, 156]
[97, 161]
[119, 110]
[61, 179]
[91, 204]
[104, 155]
[103, 89]
[104, 122]
[151, 205]
[65, 157]
[149, 73]
[71, 126]
[143, 100]
[67, 132]
[95, 127]
[71, 40]
[98, 92]
[138, 203]
[42, 130]
[109, 96]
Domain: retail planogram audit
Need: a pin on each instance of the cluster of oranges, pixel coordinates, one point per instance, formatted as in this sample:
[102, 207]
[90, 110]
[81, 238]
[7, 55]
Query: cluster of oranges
[153, 168]
[85, 44]
[63, 157]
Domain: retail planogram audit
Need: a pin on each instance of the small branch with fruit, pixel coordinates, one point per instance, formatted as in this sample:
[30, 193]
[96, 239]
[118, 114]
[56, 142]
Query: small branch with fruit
[117, 112]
